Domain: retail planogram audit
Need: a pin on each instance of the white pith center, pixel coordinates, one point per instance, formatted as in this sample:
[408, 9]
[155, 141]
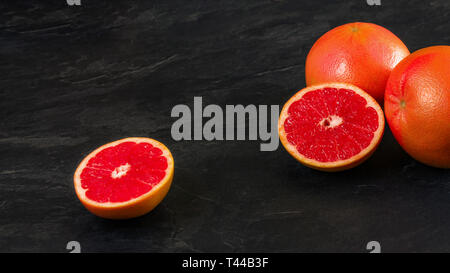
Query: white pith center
[120, 171]
[331, 121]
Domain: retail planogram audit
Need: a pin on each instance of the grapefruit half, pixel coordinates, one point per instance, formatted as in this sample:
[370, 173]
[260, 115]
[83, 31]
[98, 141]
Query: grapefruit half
[331, 126]
[125, 178]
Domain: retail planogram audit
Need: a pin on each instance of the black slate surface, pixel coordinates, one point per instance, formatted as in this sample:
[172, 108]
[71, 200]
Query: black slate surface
[74, 78]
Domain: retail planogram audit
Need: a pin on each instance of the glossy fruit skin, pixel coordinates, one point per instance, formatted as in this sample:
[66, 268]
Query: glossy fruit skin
[417, 105]
[362, 54]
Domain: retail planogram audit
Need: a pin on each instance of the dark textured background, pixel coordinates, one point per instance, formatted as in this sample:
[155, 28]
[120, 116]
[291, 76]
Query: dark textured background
[73, 78]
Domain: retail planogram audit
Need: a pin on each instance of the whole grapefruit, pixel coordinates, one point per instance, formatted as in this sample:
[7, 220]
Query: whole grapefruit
[417, 105]
[362, 54]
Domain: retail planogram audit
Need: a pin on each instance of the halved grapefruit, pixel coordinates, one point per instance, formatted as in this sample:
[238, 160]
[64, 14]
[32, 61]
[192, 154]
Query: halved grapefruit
[125, 178]
[331, 126]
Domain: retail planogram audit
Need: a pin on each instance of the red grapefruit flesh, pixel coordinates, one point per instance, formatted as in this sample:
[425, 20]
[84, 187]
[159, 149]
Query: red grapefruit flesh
[125, 178]
[331, 126]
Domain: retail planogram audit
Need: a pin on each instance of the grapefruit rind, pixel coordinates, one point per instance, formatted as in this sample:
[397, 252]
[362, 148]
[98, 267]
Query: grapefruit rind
[134, 207]
[359, 53]
[417, 105]
[339, 165]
